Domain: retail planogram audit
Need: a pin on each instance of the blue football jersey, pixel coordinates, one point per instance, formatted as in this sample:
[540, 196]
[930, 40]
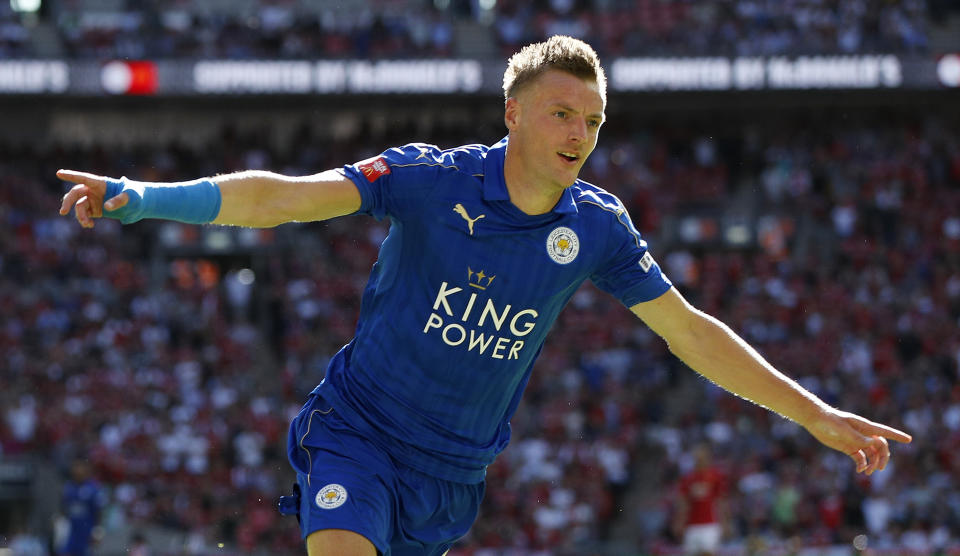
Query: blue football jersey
[82, 503]
[461, 297]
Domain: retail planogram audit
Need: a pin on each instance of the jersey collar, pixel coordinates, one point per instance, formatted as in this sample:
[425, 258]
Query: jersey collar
[495, 188]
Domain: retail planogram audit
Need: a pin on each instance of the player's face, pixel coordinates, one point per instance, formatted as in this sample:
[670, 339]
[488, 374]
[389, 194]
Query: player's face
[554, 123]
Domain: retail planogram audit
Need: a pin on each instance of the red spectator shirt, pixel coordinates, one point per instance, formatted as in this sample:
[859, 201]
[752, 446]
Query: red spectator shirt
[702, 488]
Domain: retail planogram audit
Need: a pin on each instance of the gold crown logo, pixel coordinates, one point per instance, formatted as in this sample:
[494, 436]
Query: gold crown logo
[479, 280]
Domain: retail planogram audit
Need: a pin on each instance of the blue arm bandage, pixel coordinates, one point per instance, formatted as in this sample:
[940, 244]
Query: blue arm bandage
[193, 202]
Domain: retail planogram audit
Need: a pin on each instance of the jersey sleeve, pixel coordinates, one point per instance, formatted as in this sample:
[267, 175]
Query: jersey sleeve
[629, 271]
[396, 181]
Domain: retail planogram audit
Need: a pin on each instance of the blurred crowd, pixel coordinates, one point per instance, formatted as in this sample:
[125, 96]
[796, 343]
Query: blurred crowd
[725, 27]
[863, 309]
[176, 377]
[152, 29]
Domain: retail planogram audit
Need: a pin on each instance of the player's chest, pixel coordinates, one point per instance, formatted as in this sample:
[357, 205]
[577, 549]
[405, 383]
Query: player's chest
[476, 244]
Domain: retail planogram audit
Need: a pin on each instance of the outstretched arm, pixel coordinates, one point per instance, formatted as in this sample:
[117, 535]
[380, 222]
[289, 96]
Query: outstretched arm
[263, 199]
[709, 347]
[256, 199]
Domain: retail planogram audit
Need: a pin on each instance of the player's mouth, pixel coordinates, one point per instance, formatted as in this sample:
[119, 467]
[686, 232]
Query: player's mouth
[569, 157]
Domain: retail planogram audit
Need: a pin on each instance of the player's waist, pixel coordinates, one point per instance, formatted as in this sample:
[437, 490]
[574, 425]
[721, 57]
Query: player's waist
[407, 437]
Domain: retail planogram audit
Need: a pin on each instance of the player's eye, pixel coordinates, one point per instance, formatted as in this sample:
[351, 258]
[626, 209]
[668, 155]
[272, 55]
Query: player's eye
[593, 123]
[560, 114]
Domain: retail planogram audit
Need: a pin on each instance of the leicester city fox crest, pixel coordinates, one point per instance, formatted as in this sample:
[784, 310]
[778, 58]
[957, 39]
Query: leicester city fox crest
[563, 245]
[331, 496]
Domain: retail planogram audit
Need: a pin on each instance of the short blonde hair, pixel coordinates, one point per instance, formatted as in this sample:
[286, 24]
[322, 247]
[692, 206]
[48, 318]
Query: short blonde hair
[559, 52]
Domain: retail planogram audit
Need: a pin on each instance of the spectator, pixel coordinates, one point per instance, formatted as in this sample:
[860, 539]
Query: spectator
[81, 328]
[83, 499]
[408, 28]
[700, 512]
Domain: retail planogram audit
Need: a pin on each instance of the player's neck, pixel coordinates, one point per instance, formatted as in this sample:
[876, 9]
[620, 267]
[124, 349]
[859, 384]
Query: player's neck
[527, 192]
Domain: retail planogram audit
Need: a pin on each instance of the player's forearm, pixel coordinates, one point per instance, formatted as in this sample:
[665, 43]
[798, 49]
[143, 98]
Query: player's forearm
[716, 352]
[260, 199]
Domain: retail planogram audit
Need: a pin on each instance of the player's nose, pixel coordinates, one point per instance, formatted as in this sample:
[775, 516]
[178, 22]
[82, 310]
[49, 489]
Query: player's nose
[578, 130]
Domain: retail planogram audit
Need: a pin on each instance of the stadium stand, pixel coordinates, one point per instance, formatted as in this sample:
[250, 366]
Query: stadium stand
[828, 236]
[112, 349]
[105, 29]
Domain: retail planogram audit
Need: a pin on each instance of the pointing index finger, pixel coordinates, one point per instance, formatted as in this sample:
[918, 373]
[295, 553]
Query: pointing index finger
[84, 178]
[877, 429]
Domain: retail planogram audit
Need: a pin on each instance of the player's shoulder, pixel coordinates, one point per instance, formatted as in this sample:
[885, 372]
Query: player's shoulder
[465, 159]
[593, 200]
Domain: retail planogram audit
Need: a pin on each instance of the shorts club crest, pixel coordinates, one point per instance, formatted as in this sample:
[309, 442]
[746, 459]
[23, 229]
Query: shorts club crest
[331, 496]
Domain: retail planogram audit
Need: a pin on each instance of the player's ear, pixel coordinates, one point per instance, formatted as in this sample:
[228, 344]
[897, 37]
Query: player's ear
[511, 113]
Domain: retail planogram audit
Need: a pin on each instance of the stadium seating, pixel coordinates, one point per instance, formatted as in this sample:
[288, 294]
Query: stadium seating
[861, 307]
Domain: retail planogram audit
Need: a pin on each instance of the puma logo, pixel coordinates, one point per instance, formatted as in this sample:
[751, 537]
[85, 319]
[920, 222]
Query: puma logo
[458, 208]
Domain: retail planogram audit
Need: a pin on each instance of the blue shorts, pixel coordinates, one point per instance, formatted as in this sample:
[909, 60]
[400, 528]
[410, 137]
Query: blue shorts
[347, 482]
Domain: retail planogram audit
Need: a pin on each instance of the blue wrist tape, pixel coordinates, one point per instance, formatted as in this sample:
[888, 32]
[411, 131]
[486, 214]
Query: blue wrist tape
[193, 202]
